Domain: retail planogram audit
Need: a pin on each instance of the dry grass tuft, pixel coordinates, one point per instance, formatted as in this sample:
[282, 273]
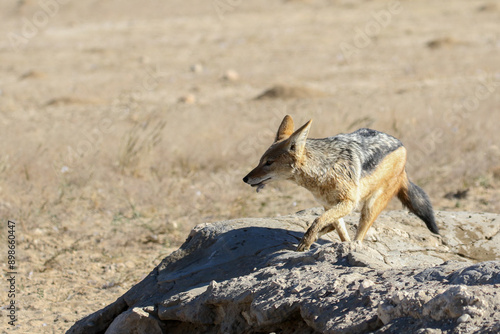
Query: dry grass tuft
[138, 144]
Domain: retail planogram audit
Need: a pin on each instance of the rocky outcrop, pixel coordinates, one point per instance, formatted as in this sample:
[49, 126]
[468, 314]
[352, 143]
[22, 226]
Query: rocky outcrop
[243, 276]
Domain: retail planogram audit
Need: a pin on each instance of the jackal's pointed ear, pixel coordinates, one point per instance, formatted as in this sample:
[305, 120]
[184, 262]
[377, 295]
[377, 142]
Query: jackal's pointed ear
[285, 129]
[297, 140]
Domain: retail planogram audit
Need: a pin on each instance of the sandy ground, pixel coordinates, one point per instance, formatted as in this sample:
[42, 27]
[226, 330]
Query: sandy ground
[126, 123]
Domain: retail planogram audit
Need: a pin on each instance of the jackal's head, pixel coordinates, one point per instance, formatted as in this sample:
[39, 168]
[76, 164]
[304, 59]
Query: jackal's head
[279, 160]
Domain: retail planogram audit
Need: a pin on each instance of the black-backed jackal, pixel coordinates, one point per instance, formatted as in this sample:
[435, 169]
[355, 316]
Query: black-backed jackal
[365, 168]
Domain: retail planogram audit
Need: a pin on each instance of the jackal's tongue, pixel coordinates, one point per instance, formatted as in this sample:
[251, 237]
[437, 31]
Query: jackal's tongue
[260, 187]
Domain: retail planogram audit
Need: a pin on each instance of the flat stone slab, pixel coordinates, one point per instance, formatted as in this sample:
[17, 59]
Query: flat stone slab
[244, 276]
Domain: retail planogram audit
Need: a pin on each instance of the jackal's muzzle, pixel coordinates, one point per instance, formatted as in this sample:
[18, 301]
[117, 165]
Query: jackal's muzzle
[260, 185]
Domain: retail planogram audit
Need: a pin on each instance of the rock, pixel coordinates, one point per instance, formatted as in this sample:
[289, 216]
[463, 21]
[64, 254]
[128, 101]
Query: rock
[290, 92]
[441, 42]
[243, 276]
[478, 274]
[463, 318]
[231, 75]
[135, 320]
[33, 74]
[196, 68]
[99, 321]
[187, 99]
[488, 7]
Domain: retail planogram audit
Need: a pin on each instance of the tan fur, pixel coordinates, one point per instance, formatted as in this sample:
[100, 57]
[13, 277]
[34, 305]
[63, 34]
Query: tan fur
[379, 188]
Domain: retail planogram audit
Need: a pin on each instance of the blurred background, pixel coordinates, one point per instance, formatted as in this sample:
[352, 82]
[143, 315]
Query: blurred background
[126, 123]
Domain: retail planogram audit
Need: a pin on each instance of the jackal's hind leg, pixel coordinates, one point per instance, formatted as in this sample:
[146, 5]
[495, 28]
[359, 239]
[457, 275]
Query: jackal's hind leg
[370, 212]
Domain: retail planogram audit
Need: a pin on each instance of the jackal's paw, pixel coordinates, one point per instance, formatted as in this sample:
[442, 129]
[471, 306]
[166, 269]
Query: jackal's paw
[303, 246]
[357, 243]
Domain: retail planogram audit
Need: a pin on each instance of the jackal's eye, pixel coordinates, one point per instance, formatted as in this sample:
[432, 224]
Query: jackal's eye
[268, 163]
[292, 147]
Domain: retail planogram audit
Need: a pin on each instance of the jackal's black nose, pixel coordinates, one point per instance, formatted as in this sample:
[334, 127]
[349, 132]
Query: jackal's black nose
[245, 179]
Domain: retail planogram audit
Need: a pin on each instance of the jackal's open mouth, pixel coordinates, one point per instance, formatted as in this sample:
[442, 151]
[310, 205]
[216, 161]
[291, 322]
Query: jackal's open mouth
[261, 184]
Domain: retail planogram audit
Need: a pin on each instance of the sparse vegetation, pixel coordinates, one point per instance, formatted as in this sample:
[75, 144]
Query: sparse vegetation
[138, 144]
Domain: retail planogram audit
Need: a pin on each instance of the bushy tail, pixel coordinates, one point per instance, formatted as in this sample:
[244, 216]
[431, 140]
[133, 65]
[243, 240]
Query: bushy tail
[417, 201]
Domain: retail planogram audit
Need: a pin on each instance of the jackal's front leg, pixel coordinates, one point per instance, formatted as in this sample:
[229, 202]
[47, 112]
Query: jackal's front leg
[332, 216]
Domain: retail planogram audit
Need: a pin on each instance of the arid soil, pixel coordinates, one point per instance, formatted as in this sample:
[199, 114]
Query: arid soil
[126, 123]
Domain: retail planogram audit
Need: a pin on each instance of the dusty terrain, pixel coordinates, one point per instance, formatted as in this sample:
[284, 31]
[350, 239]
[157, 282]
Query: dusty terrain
[126, 123]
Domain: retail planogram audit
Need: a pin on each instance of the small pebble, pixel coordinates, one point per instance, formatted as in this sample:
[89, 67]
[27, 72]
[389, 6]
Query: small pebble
[365, 285]
[231, 75]
[197, 68]
[187, 99]
[463, 318]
